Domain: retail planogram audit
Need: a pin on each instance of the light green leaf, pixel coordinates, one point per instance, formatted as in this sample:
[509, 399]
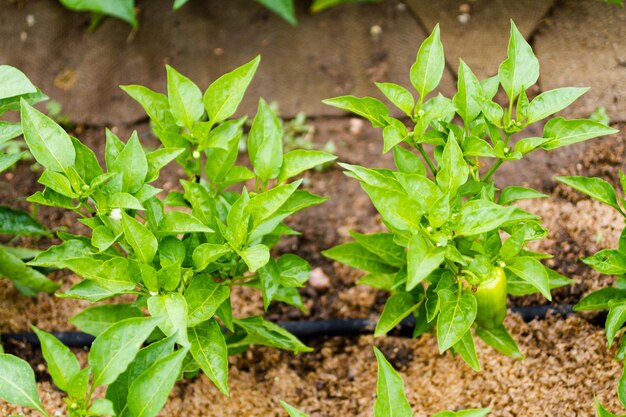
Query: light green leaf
[132, 163]
[521, 68]
[355, 255]
[172, 308]
[283, 8]
[265, 145]
[552, 101]
[62, 364]
[47, 141]
[148, 393]
[467, 350]
[615, 319]
[515, 193]
[185, 98]
[204, 296]
[394, 133]
[429, 64]
[255, 256]
[17, 383]
[266, 333]
[596, 188]
[453, 170]
[608, 261]
[95, 320]
[500, 340]
[139, 238]
[156, 105]
[19, 223]
[399, 96]
[564, 132]
[14, 83]
[122, 9]
[480, 216]
[599, 300]
[178, 222]
[383, 245]
[422, 259]
[390, 398]
[456, 316]
[14, 269]
[223, 96]
[208, 348]
[466, 99]
[117, 346]
[292, 411]
[532, 271]
[370, 108]
[207, 253]
[397, 307]
[300, 160]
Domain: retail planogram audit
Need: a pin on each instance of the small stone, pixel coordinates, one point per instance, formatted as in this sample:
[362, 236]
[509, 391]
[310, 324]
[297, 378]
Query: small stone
[463, 18]
[218, 51]
[30, 20]
[356, 126]
[464, 8]
[319, 280]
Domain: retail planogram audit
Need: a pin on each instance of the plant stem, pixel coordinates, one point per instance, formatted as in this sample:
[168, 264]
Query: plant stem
[429, 162]
[493, 169]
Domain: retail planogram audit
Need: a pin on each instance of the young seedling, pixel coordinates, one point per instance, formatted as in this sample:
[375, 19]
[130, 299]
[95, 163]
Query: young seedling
[456, 244]
[390, 397]
[180, 256]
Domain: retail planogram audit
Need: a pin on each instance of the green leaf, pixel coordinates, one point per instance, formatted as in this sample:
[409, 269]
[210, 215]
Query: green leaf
[208, 348]
[515, 193]
[223, 96]
[564, 132]
[139, 238]
[457, 313]
[532, 271]
[266, 333]
[156, 105]
[204, 296]
[122, 9]
[422, 259]
[600, 299]
[393, 134]
[466, 99]
[601, 411]
[158, 159]
[596, 188]
[500, 340]
[19, 223]
[429, 64]
[397, 307]
[476, 412]
[62, 364]
[117, 346]
[390, 398]
[17, 383]
[14, 269]
[47, 141]
[101, 407]
[207, 253]
[453, 170]
[467, 350]
[172, 308]
[292, 411]
[255, 256]
[355, 255]
[148, 393]
[370, 108]
[117, 392]
[298, 161]
[95, 320]
[265, 145]
[406, 161]
[521, 68]
[552, 101]
[185, 98]
[615, 319]
[178, 222]
[283, 8]
[294, 271]
[7, 161]
[383, 245]
[132, 163]
[480, 216]
[14, 83]
[621, 387]
[399, 96]
[608, 261]
[397, 209]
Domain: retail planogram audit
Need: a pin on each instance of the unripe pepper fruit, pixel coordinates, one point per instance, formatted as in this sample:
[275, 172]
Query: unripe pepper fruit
[491, 299]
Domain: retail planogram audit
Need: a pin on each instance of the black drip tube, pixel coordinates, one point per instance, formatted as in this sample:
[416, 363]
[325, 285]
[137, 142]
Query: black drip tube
[313, 329]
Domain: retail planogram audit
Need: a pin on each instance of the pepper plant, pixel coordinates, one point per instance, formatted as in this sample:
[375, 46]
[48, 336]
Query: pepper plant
[390, 397]
[609, 262]
[456, 245]
[181, 255]
[14, 86]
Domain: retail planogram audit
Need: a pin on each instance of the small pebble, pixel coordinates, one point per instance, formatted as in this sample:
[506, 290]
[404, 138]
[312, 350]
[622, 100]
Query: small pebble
[30, 20]
[356, 126]
[463, 18]
[318, 279]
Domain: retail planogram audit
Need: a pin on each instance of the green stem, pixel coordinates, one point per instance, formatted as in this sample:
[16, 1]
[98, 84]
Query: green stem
[493, 169]
[429, 162]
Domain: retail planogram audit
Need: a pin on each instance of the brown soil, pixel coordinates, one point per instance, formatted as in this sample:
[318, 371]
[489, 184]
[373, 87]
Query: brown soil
[566, 364]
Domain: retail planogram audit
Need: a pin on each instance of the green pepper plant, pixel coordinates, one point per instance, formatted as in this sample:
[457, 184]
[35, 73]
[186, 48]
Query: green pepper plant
[609, 262]
[181, 255]
[14, 86]
[138, 379]
[456, 245]
[391, 400]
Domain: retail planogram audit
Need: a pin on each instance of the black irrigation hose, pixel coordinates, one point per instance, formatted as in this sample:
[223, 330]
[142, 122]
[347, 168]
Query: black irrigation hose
[320, 328]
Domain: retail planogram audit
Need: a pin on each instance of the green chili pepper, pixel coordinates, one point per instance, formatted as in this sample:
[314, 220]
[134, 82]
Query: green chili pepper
[491, 298]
